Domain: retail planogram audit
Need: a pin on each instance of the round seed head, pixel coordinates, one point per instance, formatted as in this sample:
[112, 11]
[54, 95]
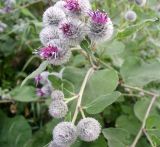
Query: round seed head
[58, 109]
[71, 31]
[131, 16]
[140, 2]
[65, 133]
[88, 129]
[47, 34]
[53, 144]
[57, 95]
[52, 16]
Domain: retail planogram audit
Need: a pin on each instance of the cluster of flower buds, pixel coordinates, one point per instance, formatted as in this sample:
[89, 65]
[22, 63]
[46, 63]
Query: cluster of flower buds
[44, 85]
[66, 133]
[66, 24]
[9, 4]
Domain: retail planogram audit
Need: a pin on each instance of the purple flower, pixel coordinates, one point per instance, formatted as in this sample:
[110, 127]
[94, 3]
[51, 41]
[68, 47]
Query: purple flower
[72, 5]
[99, 17]
[37, 79]
[39, 92]
[67, 29]
[48, 52]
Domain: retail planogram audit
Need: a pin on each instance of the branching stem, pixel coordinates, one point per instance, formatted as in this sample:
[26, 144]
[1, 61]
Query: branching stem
[90, 71]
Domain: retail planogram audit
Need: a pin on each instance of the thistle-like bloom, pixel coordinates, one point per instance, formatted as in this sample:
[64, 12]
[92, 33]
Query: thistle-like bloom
[53, 144]
[42, 78]
[71, 31]
[100, 27]
[74, 8]
[88, 129]
[58, 109]
[52, 16]
[45, 91]
[48, 52]
[65, 133]
[131, 16]
[57, 95]
[141, 3]
[47, 34]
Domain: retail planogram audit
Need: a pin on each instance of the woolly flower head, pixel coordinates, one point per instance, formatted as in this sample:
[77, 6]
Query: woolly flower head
[65, 133]
[131, 16]
[53, 144]
[71, 31]
[52, 16]
[100, 27]
[141, 3]
[62, 55]
[47, 34]
[57, 95]
[45, 91]
[88, 129]
[42, 78]
[74, 8]
[58, 109]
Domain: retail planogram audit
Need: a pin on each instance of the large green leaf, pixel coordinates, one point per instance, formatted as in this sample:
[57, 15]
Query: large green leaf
[43, 136]
[100, 103]
[116, 137]
[102, 82]
[141, 111]
[14, 132]
[137, 73]
[24, 94]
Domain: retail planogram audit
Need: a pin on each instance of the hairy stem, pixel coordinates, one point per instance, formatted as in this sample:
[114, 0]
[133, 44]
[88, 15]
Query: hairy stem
[90, 71]
[144, 121]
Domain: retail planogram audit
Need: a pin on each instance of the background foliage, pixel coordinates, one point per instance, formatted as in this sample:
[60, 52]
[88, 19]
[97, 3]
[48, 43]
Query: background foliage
[132, 57]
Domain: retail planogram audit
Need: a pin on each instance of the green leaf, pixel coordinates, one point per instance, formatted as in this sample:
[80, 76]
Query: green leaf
[129, 30]
[111, 49]
[39, 70]
[102, 82]
[43, 136]
[137, 73]
[74, 76]
[100, 103]
[141, 111]
[24, 94]
[116, 137]
[14, 132]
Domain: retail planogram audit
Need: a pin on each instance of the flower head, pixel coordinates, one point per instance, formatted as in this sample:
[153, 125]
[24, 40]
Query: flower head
[141, 3]
[72, 5]
[42, 78]
[52, 16]
[58, 109]
[100, 27]
[57, 95]
[130, 16]
[53, 144]
[71, 31]
[88, 129]
[65, 133]
[47, 34]
[45, 91]
[48, 52]
[99, 17]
